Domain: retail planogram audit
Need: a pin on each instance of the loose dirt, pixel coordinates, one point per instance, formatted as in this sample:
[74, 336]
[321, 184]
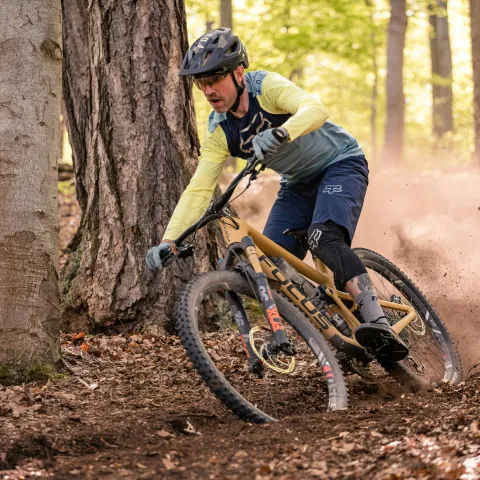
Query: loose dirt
[136, 410]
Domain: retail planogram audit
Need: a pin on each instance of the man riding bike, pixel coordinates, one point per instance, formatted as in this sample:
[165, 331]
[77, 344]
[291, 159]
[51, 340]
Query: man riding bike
[324, 172]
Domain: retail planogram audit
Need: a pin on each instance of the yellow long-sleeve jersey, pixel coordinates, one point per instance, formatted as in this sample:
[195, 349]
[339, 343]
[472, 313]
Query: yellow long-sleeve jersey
[314, 142]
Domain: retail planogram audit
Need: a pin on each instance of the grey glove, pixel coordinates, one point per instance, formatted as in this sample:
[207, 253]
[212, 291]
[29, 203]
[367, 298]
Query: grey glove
[157, 256]
[265, 142]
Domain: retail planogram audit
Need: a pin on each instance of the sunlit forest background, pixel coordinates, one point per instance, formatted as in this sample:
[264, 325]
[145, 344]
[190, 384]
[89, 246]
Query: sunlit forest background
[337, 49]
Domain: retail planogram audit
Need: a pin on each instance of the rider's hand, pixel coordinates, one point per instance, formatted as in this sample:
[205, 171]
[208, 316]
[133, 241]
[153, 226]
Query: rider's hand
[265, 142]
[156, 256]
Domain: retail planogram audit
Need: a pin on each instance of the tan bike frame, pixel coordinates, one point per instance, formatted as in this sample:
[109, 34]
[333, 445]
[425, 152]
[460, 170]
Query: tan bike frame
[234, 230]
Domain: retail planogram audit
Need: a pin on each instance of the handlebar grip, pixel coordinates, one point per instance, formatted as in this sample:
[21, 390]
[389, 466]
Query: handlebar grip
[280, 134]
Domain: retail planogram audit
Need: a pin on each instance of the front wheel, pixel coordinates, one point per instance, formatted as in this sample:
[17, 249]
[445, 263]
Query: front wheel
[316, 381]
[432, 357]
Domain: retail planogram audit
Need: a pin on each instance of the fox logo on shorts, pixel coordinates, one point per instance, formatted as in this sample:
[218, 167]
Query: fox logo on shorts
[332, 189]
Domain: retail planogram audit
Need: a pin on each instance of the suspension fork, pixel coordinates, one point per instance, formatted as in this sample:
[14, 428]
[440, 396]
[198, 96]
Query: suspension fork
[269, 308]
[255, 364]
[239, 315]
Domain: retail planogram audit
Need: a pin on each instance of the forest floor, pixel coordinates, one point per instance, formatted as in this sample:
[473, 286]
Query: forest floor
[133, 407]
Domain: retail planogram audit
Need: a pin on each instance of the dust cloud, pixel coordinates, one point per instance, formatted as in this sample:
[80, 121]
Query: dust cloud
[428, 224]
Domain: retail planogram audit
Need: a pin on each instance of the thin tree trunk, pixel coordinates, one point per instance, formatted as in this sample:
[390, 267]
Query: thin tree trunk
[226, 14]
[475, 26]
[135, 146]
[441, 57]
[30, 86]
[371, 4]
[395, 124]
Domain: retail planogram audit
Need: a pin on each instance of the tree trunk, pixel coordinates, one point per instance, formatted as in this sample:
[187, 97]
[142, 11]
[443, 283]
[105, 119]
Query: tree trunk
[372, 6]
[30, 86]
[134, 140]
[441, 57]
[475, 26]
[226, 14]
[395, 123]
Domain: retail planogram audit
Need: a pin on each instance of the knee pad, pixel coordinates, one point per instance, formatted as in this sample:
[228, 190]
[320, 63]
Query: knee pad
[327, 241]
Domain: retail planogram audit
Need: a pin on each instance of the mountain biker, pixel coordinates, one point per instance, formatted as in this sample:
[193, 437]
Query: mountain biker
[324, 172]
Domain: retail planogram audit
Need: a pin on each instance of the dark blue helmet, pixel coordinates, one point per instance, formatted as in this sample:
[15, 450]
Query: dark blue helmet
[218, 51]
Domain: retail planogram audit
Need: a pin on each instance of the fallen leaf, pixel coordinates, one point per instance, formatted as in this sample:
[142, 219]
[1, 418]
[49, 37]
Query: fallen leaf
[169, 465]
[474, 426]
[164, 434]
[241, 454]
[77, 338]
[264, 469]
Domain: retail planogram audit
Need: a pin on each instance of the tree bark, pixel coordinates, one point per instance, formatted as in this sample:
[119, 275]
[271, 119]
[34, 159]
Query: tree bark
[395, 123]
[226, 14]
[475, 27]
[371, 5]
[441, 58]
[134, 140]
[30, 87]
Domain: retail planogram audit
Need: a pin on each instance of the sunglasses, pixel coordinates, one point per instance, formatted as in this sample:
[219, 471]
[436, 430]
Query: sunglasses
[209, 81]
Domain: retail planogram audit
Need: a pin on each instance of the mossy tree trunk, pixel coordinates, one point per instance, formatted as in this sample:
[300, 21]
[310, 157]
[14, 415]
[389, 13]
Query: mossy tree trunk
[30, 87]
[134, 140]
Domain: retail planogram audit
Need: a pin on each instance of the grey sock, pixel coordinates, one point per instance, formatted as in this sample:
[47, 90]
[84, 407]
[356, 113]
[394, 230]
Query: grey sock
[369, 307]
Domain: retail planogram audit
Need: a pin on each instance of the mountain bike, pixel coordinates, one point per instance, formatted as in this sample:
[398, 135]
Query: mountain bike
[272, 336]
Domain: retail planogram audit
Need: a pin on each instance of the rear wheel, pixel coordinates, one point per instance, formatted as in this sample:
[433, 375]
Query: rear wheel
[314, 383]
[432, 355]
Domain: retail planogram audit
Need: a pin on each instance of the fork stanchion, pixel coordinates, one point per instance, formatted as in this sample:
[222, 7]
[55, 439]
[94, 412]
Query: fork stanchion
[265, 295]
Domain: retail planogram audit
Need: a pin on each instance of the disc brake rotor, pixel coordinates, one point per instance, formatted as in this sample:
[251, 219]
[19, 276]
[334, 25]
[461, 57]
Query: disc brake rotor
[278, 361]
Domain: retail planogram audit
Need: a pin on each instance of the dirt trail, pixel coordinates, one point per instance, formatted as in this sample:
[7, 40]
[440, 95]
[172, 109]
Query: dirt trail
[147, 415]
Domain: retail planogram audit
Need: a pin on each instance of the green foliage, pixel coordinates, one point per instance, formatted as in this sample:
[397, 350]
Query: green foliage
[67, 188]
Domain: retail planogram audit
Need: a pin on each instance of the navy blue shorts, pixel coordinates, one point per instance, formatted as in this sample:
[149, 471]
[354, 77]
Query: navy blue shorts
[336, 195]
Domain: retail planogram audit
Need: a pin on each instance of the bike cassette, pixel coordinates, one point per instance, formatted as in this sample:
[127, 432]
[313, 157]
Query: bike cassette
[273, 356]
[416, 326]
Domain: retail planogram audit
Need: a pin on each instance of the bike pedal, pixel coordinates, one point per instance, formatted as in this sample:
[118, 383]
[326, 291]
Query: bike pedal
[381, 342]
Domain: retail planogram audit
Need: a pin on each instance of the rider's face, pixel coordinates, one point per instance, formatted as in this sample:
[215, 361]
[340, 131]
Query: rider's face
[219, 90]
